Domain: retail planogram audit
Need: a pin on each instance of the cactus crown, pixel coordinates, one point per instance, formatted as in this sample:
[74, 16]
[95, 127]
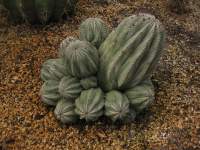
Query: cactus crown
[94, 30]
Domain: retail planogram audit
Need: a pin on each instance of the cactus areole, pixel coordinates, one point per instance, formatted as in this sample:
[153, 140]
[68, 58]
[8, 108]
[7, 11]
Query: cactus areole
[38, 11]
[102, 73]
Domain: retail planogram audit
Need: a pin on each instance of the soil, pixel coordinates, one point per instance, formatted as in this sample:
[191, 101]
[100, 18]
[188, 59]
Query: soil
[171, 123]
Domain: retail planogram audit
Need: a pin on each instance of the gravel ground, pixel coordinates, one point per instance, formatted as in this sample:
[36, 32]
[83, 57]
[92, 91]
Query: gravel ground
[172, 122]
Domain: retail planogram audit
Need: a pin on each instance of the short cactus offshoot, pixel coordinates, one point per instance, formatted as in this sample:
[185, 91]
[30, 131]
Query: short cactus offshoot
[104, 73]
[89, 105]
[116, 105]
[94, 30]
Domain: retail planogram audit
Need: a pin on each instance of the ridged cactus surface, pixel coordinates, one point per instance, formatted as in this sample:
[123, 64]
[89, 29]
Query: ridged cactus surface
[49, 92]
[39, 11]
[81, 59]
[130, 52]
[89, 105]
[141, 96]
[69, 87]
[94, 30]
[64, 44]
[64, 111]
[53, 69]
[87, 82]
[116, 105]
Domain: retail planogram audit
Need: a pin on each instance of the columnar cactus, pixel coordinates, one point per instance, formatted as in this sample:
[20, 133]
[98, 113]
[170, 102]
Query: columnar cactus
[87, 82]
[130, 52]
[38, 11]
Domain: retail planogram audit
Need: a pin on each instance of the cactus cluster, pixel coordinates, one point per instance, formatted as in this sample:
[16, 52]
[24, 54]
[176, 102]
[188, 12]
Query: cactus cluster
[38, 11]
[104, 73]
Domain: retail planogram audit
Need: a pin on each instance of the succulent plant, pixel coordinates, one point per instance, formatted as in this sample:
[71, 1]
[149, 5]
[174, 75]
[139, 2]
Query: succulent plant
[116, 106]
[88, 83]
[121, 67]
[141, 96]
[64, 44]
[89, 105]
[64, 111]
[53, 69]
[130, 53]
[81, 59]
[69, 87]
[38, 11]
[94, 30]
[49, 92]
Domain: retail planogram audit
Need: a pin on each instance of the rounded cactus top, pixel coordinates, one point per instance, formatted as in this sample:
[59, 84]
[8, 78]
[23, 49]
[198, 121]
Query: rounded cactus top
[81, 59]
[94, 30]
[152, 19]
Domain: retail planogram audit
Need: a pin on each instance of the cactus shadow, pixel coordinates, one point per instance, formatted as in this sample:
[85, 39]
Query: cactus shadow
[106, 124]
